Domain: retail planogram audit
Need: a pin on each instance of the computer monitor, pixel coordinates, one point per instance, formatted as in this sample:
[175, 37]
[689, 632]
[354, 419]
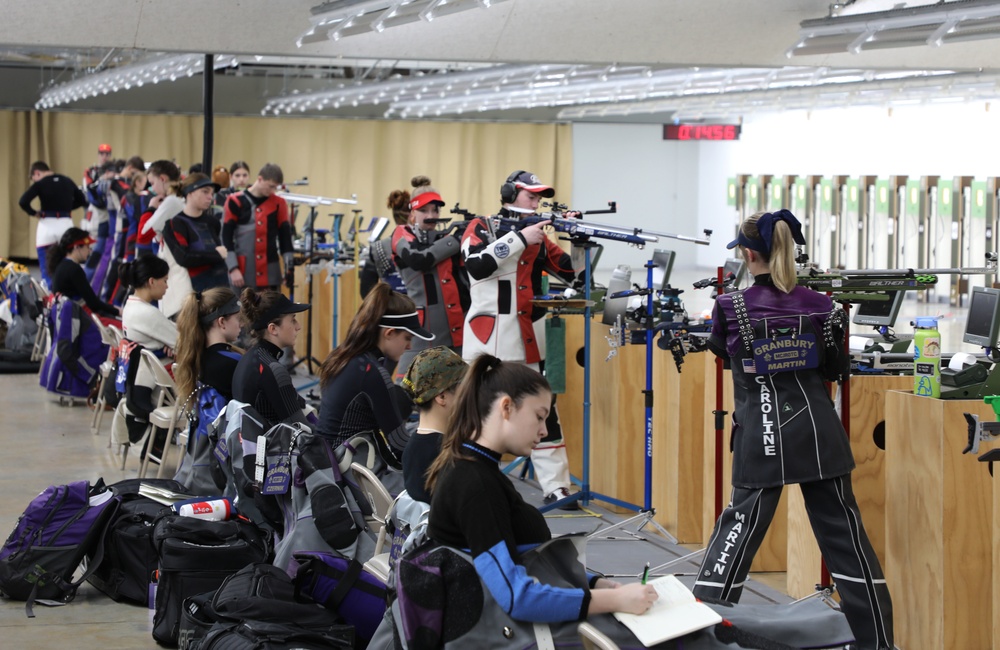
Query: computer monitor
[378, 228]
[664, 261]
[879, 309]
[621, 280]
[983, 323]
[737, 267]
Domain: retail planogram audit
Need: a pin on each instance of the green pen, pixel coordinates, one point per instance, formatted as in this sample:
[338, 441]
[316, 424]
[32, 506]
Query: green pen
[645, 573]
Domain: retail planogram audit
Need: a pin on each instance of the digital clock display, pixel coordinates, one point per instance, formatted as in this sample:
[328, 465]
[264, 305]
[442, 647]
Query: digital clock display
[701, 132]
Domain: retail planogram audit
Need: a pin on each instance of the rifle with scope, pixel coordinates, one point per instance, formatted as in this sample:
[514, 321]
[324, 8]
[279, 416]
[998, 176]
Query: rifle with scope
[467, 217]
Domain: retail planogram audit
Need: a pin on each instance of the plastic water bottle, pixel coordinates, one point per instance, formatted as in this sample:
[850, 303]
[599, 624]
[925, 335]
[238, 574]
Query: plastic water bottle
[218, 509]
[926, 357]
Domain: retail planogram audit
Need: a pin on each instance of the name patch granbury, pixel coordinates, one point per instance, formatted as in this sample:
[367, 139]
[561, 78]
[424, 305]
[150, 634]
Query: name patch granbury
[785, 353]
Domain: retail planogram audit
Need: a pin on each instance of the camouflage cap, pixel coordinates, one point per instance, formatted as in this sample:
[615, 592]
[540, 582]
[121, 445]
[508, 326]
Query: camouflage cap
[432, 372]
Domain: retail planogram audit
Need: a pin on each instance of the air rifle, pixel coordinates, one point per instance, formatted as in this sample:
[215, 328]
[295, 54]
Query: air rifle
[467, 217]
[579, 230]
[845, 284]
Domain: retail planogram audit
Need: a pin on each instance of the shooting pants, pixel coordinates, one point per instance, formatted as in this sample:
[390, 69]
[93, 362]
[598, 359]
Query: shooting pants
[836, 523]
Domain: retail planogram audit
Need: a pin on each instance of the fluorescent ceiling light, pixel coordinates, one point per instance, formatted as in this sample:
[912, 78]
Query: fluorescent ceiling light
[339, 18]
[954, 87]
[134, 75]
[507, 87]
[935, 25]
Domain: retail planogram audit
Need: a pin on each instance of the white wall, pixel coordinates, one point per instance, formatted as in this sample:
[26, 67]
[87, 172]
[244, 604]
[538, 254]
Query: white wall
[652, 180]
[680, 187]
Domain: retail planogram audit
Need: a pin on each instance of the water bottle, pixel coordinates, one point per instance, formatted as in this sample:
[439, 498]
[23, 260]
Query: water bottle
[218, 509]
[926, 357]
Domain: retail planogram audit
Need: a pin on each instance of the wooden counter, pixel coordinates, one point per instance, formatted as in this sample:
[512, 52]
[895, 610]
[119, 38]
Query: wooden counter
[939, 534]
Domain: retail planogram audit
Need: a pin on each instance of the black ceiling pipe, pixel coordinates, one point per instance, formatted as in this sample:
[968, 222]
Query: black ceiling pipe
[208, 94]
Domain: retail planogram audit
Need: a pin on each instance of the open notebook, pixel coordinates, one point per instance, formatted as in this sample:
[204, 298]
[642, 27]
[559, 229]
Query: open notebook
[674, 614]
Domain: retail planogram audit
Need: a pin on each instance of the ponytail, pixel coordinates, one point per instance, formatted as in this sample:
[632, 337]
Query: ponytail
[487, 379]
[137, 273]
[399, 203]
[57, 252]
[363, 333]
[171, 171]
[781, 259]
[192, 336]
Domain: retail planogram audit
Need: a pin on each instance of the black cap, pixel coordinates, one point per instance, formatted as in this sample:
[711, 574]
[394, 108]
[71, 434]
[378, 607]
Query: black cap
[281, 307]
[198, 184]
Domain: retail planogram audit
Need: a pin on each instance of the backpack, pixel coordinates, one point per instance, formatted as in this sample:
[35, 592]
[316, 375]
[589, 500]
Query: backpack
[57, 530]
[126, 571]
[317, 511]
[77, 352]
[195, 469]
[262, 593]
[196, 556]
[342, 586]
[258, 635]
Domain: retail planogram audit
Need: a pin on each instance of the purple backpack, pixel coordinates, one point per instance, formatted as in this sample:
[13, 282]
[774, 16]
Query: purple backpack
[57, 530]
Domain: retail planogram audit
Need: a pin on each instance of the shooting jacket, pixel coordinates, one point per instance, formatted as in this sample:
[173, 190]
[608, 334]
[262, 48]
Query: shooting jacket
[430, 263]
[785, 428]
[253, 232]
[505, 274]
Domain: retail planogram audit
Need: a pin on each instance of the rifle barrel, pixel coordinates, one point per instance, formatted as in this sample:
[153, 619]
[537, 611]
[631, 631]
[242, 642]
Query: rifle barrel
[905, 272]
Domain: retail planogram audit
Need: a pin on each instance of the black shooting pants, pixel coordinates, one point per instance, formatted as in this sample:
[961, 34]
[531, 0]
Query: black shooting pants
[836, 523]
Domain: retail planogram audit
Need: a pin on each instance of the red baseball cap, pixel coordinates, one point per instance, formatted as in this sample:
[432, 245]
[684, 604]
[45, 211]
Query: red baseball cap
[104, 148]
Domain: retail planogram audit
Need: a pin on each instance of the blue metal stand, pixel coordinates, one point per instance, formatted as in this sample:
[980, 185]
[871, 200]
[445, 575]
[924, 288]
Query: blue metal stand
[586, 495]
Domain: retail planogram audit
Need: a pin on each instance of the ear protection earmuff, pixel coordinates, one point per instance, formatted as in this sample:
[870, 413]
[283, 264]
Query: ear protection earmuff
[508, 191]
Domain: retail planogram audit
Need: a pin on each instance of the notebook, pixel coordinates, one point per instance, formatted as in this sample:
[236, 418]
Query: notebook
[674, 614]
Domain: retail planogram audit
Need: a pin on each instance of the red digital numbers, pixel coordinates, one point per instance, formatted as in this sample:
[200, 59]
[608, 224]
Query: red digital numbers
[701, 132]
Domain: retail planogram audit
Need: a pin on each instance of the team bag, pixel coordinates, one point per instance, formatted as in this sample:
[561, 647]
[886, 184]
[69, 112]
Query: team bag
[196, 556]
[126, 571]
[57, 530]
[261, 593]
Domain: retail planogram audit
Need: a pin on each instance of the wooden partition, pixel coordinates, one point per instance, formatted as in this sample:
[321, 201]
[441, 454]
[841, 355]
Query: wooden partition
[939, 533]
[867, 432]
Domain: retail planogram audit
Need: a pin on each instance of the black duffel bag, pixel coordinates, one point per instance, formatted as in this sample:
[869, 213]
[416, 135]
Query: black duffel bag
[126, 571]
[262, 593]
[196, 556]
[258, 635]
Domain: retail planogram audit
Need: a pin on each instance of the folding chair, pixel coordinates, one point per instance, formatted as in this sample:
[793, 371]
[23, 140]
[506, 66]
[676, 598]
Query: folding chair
[594, 639]
[166, 415]
[109, 338]
[381, 502]
[43, 339]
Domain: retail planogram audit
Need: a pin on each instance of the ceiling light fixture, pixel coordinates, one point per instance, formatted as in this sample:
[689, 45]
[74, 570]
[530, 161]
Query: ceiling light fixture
[953, 87]
[934, 25]
[336, 19]
[125, 77]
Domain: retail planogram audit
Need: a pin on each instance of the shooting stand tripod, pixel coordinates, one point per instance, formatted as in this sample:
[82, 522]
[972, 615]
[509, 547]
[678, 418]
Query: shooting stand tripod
[310, 240]
[644, 515]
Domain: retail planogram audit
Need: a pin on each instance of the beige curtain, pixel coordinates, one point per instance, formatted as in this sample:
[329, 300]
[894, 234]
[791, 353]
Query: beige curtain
[467, 162]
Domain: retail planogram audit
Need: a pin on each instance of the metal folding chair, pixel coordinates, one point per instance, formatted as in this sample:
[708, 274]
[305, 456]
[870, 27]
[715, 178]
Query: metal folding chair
[381, 503]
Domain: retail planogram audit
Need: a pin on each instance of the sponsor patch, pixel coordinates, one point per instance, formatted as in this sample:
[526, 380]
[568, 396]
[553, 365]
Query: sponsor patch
[502, 250]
